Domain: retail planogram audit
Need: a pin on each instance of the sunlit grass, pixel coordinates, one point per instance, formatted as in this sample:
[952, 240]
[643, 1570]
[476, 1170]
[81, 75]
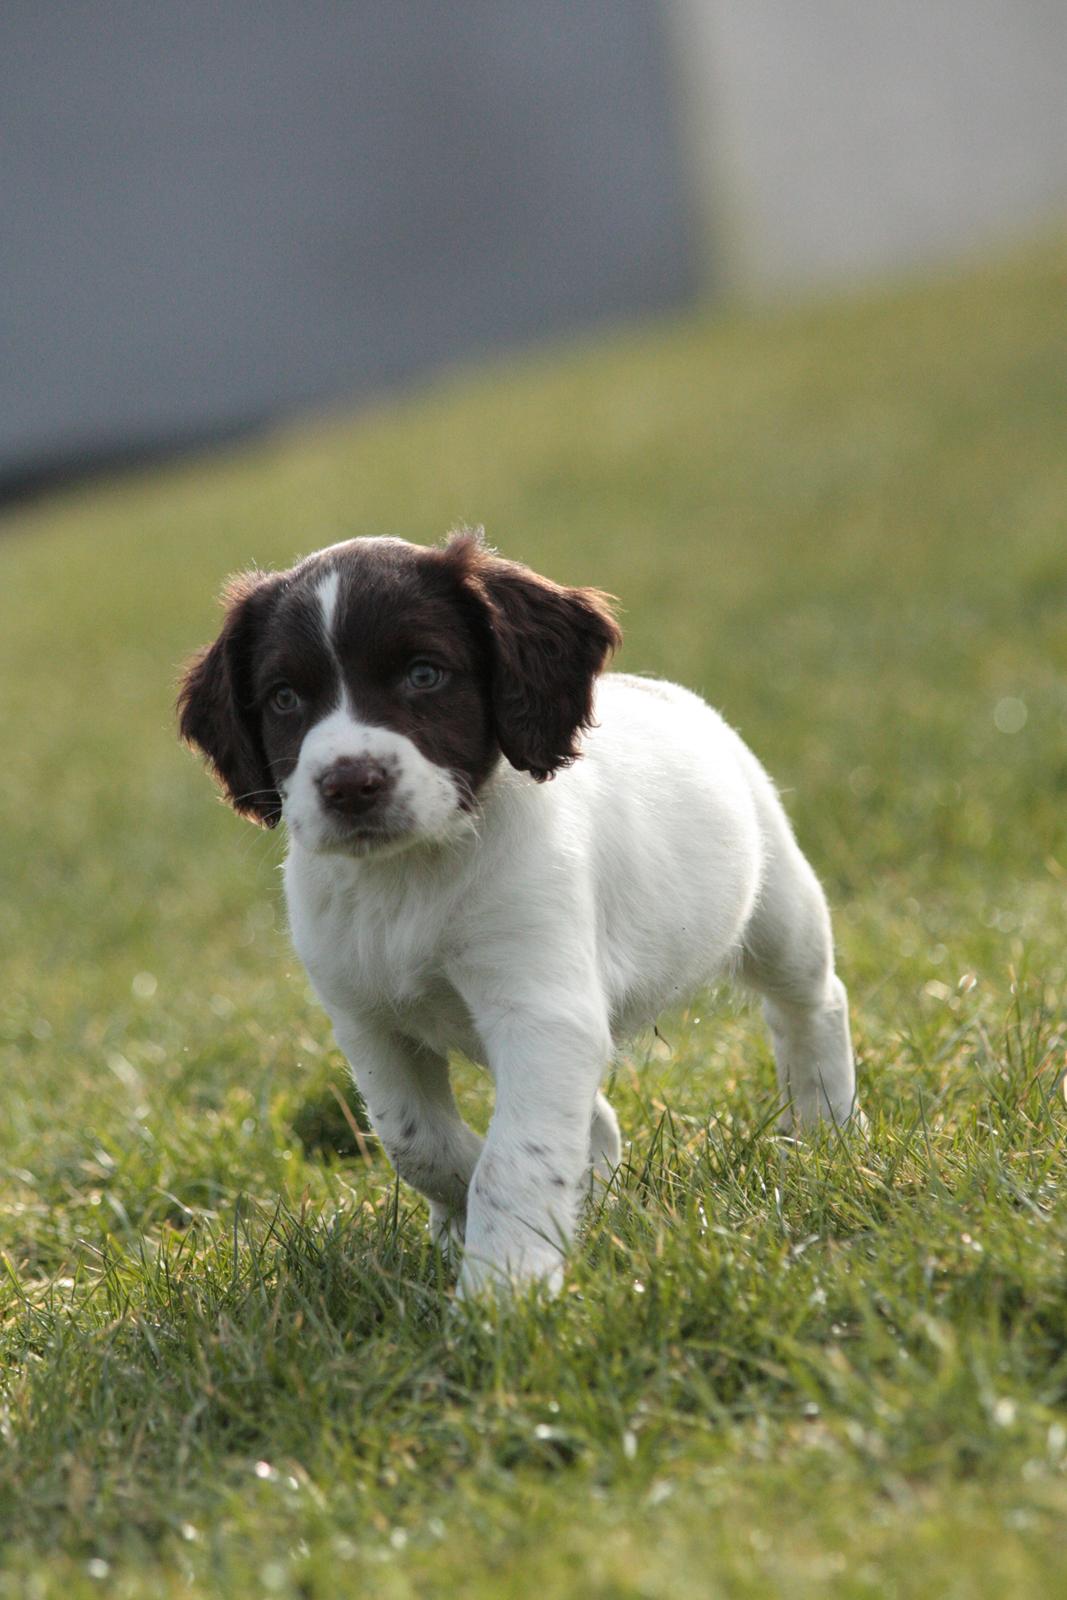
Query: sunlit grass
[231, 1365]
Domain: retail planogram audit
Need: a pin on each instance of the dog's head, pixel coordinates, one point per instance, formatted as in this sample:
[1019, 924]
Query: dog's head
[367, 694]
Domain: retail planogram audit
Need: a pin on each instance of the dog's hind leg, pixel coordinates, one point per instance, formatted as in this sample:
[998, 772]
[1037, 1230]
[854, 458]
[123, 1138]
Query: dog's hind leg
[788, 958]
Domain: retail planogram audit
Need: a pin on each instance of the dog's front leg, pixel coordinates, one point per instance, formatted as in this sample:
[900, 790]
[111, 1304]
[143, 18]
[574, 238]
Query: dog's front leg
[527, 1189]
[408, 1097]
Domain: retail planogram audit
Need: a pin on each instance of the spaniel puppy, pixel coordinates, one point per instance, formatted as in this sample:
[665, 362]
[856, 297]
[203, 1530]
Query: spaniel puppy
[402, 709]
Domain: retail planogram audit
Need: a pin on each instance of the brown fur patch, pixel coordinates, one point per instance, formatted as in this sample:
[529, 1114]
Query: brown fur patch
[216, 710]
[547, 645]
[519, 656]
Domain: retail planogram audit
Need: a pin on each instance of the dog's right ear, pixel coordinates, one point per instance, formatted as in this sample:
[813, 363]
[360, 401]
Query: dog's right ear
[216, 714]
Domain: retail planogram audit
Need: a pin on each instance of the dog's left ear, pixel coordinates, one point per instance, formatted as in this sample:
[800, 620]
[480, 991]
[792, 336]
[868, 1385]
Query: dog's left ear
[547, 646]
[215, 711]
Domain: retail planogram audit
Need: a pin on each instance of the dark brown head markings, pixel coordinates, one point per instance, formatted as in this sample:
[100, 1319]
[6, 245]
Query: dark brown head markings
[465, 655]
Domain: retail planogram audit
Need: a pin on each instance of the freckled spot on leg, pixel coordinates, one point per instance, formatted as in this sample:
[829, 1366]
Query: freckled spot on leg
[409, 1130]
[486, 1169]
[557, 1181]
[538, 1151]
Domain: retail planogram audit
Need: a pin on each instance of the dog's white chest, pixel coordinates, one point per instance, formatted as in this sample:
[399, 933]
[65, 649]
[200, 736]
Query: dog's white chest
[373, 943]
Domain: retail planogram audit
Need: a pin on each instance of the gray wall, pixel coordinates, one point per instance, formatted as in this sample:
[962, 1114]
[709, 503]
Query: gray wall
[212, 213]
[837, 140]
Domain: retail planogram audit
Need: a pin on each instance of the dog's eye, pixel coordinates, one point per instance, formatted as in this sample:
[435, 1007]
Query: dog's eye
[423, 674]
[284, 699]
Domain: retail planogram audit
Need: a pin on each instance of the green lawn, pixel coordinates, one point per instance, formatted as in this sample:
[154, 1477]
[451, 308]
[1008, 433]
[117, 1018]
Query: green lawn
[230, 1365]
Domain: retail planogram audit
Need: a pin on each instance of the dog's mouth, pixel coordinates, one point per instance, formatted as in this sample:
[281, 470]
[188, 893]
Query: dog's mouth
[359, 836]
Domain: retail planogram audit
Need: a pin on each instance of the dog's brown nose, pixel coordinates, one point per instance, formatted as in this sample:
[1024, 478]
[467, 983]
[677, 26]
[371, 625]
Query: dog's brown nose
[353, 785]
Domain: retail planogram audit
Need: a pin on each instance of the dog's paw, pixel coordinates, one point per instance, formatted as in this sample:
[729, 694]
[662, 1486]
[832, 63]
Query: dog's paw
[481, 1279]
[793, 1130]
[447, 1229]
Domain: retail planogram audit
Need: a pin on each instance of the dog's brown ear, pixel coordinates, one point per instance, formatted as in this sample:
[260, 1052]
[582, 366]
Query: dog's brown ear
[547, 645]
[215, 710]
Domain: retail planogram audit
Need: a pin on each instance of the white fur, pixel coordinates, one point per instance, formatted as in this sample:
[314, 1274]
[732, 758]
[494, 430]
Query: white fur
[326, 592]
[534, 943]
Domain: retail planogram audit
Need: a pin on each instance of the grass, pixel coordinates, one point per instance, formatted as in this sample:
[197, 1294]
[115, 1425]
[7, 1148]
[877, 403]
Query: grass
[230, 1363]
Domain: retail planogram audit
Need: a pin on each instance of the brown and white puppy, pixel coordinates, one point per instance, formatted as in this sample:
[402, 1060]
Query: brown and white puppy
[400, 708]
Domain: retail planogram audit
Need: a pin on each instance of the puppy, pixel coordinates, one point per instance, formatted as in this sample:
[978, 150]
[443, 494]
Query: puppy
[402, 708]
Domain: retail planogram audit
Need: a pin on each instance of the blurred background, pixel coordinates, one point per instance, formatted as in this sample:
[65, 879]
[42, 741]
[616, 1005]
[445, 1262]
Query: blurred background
[215, 217]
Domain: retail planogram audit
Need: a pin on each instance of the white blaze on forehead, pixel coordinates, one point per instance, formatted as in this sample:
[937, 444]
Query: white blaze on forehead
[328, 586]
[327, 590]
